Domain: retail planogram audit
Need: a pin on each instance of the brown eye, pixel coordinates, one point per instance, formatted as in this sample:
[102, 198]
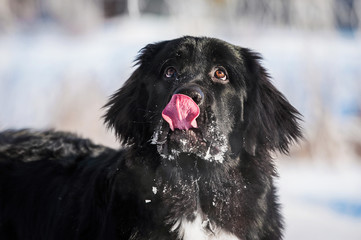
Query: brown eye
[170, 72]
[220, 74]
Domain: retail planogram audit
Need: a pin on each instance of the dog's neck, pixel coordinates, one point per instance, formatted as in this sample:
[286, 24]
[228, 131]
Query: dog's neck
[189, 189]
[202, 186]
[199, 195]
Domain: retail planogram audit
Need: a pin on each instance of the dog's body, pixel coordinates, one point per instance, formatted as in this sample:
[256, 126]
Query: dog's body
[200, 119]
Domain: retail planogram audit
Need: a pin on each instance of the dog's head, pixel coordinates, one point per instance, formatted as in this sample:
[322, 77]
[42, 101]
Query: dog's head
[202, 97]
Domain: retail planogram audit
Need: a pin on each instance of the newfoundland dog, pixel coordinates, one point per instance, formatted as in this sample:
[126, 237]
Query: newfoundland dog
[199, 120]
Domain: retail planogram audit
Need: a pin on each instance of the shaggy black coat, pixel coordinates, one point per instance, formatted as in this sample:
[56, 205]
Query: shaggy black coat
[55, 185]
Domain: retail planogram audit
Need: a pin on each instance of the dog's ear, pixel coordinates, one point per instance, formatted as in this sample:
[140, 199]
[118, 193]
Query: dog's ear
[270, 121]
[127, 108]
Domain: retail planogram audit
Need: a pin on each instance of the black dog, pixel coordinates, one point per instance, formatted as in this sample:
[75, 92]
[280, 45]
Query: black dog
[199, 117]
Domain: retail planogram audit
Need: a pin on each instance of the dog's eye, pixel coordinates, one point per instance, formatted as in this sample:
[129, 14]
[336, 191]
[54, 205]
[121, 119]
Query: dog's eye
[220, 75]
[170, 72]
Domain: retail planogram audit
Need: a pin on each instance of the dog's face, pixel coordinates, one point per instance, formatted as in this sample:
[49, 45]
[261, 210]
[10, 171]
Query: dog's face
[202, 97]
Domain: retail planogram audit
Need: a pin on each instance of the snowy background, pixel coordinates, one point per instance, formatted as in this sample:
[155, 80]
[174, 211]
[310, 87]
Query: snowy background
[61, 60]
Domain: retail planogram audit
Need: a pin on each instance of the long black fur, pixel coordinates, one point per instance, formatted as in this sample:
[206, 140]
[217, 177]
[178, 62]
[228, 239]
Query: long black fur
[55, 185]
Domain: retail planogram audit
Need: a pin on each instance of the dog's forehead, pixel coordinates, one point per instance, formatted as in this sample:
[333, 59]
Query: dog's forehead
[212, 49]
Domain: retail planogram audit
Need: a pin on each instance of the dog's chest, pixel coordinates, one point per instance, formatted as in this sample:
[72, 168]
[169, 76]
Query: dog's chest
[201, 229]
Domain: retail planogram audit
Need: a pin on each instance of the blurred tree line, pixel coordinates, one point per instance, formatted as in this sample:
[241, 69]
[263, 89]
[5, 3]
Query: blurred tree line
[342, 15]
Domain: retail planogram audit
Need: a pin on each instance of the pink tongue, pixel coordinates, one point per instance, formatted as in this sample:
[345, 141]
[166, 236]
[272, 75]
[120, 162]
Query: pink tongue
[181, 112]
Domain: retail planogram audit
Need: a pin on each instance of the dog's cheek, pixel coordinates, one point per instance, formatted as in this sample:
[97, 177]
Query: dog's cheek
[236, 119]
[160, 93]
[235, 142]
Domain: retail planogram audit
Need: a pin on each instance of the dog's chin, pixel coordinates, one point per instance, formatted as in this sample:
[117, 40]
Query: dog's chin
[195, 142]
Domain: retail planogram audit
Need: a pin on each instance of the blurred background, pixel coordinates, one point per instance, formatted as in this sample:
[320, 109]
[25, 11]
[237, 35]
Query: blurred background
[61, 60]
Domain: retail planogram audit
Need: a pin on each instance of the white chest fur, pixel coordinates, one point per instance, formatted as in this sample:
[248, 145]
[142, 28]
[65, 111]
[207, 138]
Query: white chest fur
[200, 230]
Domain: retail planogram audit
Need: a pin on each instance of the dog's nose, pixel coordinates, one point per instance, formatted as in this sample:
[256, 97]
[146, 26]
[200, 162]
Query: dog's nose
[193, 92]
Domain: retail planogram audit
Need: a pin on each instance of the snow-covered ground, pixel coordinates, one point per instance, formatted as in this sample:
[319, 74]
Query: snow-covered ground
[321, 201]
[49, 78]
